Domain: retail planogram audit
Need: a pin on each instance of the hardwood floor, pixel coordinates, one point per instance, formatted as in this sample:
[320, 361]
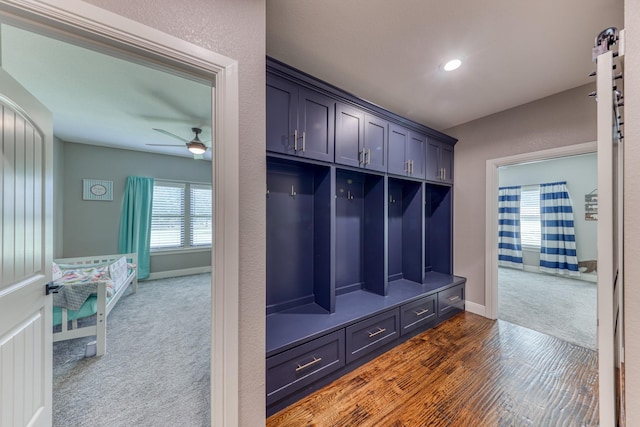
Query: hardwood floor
[468, 371]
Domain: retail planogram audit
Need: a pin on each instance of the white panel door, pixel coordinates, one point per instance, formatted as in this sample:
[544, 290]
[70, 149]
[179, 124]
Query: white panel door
[26, 200]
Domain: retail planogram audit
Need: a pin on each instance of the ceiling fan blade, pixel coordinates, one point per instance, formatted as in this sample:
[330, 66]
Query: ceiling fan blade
[173, 135]
[165, 145]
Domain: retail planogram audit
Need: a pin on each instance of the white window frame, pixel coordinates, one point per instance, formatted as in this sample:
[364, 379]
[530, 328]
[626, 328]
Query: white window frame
[186, 217]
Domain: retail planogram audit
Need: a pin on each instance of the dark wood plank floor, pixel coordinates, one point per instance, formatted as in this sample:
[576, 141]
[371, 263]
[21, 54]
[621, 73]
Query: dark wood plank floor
[468, 371]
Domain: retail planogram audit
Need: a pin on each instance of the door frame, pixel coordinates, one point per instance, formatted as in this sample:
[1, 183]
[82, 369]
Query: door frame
[491, 205]
[105, 31]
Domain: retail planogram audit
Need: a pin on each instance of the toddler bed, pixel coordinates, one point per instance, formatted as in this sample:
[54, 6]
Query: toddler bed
[92, 287]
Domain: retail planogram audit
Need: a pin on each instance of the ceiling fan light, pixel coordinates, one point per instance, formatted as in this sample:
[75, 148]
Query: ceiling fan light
[197, 147]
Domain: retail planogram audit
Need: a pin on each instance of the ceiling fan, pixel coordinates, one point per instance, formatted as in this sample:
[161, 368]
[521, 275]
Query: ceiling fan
[195, 146]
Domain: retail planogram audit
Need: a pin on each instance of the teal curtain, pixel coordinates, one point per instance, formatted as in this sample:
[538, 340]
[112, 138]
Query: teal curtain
[135, 221]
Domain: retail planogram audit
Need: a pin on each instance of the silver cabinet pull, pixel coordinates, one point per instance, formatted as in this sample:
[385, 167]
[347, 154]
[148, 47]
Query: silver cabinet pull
[307, 365]
[378, 332]
[304, 145]
[368, 157]
[444, 174]
[295, 140]
[361, 158]
[421, 312]
[454, 298]
[407, 166]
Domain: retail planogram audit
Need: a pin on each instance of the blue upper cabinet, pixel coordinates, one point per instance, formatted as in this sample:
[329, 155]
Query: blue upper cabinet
[376, 135]
[361, 139]
[300, 121]
[349, 135]
[406, 152]
[439, 162]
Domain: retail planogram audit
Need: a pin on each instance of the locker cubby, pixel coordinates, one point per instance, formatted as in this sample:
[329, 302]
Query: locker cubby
[299, 237]
[438, 229]
[360, 232]
[405, 228]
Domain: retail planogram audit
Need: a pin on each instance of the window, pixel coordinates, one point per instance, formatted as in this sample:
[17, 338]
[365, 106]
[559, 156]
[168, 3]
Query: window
[181, 215]
[530, 216]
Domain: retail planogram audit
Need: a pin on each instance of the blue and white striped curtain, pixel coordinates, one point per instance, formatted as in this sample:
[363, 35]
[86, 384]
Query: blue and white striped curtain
[558, 242]
[509, 246]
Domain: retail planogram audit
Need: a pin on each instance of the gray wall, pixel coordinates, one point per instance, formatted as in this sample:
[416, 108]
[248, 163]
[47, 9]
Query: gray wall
[581, 175]
[563, 119]
[235, 29]
[92, 227]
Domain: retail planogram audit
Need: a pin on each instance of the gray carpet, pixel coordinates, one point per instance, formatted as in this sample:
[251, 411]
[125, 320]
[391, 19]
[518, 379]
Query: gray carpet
[156, 369]
[562, 307]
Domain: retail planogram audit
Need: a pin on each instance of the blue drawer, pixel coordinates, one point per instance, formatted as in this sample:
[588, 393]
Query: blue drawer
[296, 368]
[370, 334]
[451, 300]
[418, 313]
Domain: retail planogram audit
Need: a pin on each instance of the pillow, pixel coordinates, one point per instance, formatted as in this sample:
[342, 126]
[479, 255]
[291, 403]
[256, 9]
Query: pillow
[56, 273]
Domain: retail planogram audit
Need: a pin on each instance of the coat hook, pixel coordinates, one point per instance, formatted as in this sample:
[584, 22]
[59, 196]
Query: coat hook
[391, 199]
[349, 195]
[293, 192]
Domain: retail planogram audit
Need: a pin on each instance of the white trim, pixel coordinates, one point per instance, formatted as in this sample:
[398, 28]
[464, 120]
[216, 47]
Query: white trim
[607, 267]
[87, 24]
[475, 308]
[491, 211]
[178, 273]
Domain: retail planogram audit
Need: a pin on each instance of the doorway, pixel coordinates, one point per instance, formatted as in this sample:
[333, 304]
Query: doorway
[562, 302]
[91, 26]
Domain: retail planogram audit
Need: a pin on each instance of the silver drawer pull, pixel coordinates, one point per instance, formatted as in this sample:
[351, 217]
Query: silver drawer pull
[421, 312]
[454, 298]
[306, 365]
[378, 332]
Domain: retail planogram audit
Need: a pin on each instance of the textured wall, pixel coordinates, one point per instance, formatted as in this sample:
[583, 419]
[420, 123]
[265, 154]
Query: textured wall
[235, 29]
[563, 119]
[632, 210]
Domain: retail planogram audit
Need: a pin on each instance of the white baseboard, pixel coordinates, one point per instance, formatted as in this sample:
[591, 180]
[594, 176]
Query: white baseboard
[475, 308]
[178, 273]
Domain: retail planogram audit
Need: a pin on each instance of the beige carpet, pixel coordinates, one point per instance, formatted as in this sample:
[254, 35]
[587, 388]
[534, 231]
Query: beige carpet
[558, 306]
[156, 369]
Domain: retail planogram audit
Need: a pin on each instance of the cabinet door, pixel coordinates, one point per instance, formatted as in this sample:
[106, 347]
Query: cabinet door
[316, 114]
[375, 143]
[446, 163]
[349, 135]
[433, 160]
[282, 113]
[398, 141]
[416, 155]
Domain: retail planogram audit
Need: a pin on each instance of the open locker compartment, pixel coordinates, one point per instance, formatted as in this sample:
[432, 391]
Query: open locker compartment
[438, 253]
[299, 237]
[405, 231]
[360, 232]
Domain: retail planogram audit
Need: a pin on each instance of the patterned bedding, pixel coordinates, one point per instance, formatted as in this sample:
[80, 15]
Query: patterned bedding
[80, 282]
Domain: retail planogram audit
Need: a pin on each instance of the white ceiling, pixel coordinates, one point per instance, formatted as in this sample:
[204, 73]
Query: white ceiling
[391, 52]
[102, 100]
[388, 52]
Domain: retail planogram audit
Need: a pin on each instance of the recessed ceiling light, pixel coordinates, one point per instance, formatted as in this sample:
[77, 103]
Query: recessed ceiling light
[452, 65]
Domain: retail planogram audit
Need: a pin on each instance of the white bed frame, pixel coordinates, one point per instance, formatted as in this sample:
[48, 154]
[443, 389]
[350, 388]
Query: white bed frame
[104, 307]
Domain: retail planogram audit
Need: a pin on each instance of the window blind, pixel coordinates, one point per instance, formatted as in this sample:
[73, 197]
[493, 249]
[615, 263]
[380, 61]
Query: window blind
[530, 217]
[200, 219]
[168, 214]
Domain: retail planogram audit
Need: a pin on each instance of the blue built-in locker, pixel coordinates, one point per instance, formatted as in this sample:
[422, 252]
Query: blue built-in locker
[299, 236]
[360, 231]
[438, 229]
[406, 235]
